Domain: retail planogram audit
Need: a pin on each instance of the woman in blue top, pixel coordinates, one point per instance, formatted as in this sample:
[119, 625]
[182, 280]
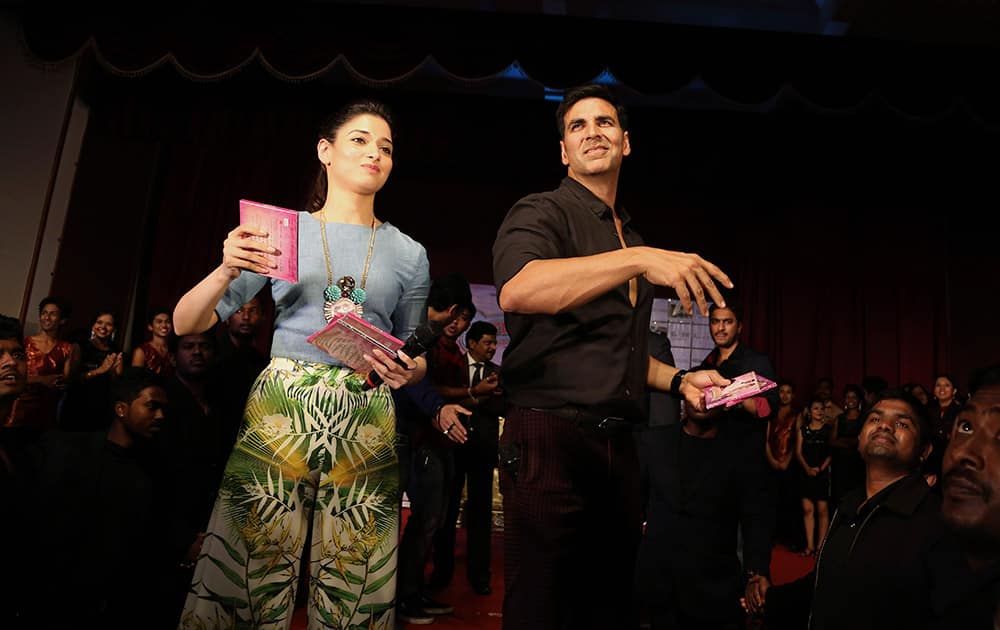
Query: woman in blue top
[315, 451]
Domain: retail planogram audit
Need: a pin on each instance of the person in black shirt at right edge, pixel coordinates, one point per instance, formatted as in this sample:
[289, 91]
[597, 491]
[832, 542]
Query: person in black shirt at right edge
[970, 489]
[888, 560]
[576, 286]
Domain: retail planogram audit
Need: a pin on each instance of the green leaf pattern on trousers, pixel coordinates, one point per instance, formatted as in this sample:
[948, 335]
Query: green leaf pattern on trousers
[313, 447]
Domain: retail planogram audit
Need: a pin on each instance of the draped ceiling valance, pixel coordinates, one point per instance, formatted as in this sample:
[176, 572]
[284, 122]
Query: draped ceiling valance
[532, 55]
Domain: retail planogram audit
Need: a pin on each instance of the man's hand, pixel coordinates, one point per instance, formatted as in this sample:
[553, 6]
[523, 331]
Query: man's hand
[687, 274]
[449, 423]
[486, 387]
[756, 594]
[693, 383]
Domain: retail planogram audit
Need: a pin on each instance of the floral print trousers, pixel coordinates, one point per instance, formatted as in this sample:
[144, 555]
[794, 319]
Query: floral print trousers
[313, 450]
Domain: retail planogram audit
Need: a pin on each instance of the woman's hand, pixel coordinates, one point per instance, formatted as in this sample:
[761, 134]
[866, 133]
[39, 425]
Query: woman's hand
[393, 374]
[111, 362]
[244, 248]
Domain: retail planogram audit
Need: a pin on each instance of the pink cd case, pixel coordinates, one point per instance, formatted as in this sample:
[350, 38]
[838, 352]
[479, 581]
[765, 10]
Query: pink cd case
[348, 338]
[282, 227]
[742, 387]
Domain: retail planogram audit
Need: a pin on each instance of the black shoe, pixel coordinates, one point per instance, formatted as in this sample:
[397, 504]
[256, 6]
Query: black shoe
[413, 613]
[482, 589]
[428, 605]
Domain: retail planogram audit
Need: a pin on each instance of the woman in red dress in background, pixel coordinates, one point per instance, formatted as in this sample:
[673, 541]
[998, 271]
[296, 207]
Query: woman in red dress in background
[52, 361]
[155, 355]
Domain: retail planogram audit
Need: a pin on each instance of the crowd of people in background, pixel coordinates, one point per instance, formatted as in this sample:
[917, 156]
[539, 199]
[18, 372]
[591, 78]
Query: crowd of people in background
[194, 482]
[109, 468]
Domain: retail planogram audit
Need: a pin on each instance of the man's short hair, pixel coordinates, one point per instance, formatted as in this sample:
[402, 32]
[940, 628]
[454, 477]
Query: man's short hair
[469, 308]
[127, 387]
[10, 328]
[921, 419]
[984, 377]
[577, 94]
[732, 305]
[447, 290]
[478, 329]
[174, 341]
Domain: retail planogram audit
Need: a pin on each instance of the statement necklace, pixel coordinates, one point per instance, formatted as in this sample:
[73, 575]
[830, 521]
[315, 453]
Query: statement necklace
[345, 296]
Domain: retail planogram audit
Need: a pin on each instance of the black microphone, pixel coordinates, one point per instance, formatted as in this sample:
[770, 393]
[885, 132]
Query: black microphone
[422, 340]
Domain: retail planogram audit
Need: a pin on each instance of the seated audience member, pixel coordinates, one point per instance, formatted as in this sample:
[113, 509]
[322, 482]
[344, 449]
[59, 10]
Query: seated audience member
[51, 364]
[87, 399]
[712, 481]
[970, 488]
[192, 450]
[917, 391]
[155, 355]
[942, 411]
[92, 519]
[872, 386]
[13, 370]
[236, 351]
[13, 380]
[879, 566]
[238, 363]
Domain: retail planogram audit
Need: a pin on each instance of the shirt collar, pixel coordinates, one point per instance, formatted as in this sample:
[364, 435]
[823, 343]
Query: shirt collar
[902, 496]
[590, 201]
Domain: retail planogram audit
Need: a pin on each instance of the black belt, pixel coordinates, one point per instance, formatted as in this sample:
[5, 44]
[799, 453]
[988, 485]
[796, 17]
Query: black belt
[607, 423]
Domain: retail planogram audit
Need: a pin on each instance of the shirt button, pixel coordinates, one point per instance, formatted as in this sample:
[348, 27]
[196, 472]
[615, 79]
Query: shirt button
[632, 349]
[628, 392]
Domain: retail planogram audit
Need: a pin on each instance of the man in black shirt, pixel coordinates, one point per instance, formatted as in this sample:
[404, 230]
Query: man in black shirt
[576, 285]
[733, 358]
[887, 553]
[970, 487]
[93, 519]
[710, 477]
[13, 380]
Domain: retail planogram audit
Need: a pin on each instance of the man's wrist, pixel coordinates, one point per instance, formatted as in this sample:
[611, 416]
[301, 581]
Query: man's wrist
[675, 382]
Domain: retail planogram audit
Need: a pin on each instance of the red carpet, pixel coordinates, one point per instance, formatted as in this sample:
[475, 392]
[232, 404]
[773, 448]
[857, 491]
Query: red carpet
[475, 612]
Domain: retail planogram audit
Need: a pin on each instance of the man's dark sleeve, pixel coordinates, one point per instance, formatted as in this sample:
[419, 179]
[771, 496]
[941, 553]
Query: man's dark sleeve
[425, 397]
[760, 364]
[533, 229]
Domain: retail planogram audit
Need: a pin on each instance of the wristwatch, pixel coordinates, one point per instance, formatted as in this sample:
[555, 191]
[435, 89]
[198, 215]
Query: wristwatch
[675, 382]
